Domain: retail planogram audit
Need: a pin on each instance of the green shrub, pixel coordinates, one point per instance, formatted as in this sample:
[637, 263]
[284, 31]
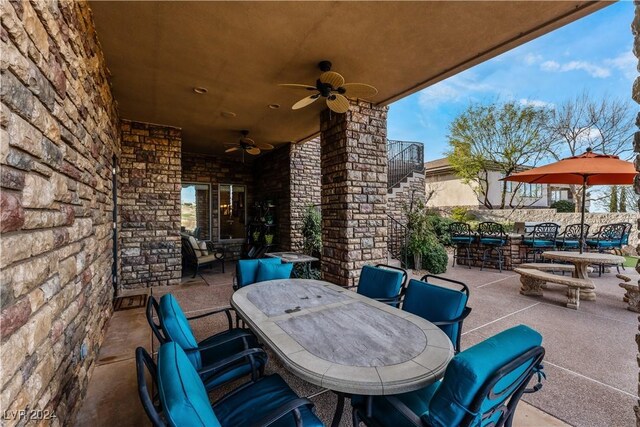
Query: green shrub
[564, 206]
[461, 214]
[312, 231]
[434, 256]
[440, 227]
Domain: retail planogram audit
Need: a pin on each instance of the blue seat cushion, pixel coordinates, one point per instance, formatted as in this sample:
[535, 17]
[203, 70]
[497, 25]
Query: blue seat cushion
[492, 241]
[222, 351]
[386, 414]
[176, 326]
[185, 401]
[569, 243]
[247, 269]
[602, 243]
[435, 303]
[462, 239]
[271, 271]
[249, 405]
[376, 282]
[538, 243]
[470, 369]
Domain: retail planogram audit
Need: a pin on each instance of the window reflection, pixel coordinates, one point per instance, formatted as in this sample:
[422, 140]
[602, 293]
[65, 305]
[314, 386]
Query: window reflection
[232, 211]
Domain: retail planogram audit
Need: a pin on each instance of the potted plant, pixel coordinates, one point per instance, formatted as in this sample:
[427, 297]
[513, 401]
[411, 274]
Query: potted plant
[268, 238]
[256, 236]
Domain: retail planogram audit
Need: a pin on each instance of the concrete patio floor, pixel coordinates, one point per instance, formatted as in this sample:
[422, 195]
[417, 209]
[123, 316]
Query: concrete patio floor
[590, 353]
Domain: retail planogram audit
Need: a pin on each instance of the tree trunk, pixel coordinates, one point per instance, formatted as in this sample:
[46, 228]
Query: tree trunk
[613, 199]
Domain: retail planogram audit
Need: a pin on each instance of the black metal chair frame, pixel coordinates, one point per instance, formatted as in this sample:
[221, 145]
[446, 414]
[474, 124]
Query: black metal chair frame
[191, 258]
[459, 319]
[610, 232]
[221, 366]
[393, 301]
[572, 232]
[461, 229]
[491, 230]
[153, 407]
[363, 413]
[543, 231]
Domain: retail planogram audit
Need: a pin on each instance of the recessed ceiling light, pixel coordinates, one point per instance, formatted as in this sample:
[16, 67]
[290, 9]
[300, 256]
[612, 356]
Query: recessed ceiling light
[274, 106]
[200, 90]
[228, 114]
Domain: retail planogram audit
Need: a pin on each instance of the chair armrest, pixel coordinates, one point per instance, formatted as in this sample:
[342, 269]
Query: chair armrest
[351, 287]
[225, 310]
[241, 335]
[404, 410]
[389, 301]
[282, 410]
[224, 363]
[465, 313]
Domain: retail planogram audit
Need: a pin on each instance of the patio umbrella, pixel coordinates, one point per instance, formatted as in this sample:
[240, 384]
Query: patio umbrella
[586, 169]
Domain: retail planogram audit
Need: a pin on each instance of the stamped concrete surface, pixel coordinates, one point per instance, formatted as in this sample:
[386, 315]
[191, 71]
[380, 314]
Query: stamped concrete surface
[590, 359]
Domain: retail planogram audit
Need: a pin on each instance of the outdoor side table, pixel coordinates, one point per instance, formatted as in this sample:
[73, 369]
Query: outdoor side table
[581, 262]
[295, 258]
[343, 341]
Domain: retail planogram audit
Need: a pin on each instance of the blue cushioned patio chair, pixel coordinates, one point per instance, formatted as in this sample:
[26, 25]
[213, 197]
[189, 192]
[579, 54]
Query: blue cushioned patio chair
[444, 307]
[569, 239]
[217, 357]
[481, 387]
[608, 238]
[492, 237]
[461, 238]
[541, 238]
[265, 401]
[384, 283]
[247, 271]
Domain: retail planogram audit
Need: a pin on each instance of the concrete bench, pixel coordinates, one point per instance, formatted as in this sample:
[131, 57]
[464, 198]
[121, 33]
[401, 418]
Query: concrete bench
[632, 294]
[532, 281]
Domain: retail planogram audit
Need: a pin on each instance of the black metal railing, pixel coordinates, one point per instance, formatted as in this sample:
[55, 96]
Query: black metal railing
[404, 158]
[397, 240]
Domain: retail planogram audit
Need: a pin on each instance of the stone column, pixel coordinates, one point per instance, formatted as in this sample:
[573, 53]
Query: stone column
[635, 29]
[354, 191]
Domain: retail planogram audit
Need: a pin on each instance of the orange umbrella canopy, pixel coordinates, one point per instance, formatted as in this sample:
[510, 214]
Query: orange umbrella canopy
[588, 168]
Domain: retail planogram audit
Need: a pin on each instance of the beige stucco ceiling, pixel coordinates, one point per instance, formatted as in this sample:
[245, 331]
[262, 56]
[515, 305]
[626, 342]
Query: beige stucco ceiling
[158, 52]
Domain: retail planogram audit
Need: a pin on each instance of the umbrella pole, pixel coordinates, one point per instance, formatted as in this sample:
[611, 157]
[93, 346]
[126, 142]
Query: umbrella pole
[584, 197]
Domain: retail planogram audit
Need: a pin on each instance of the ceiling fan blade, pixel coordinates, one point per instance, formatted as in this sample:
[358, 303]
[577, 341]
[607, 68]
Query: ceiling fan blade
[338, 103]
[253, 151]
[305, 101]
[296, 86]
[232, 149]
[333, 78]
[264, 146]
[359, 90]
[246, 140]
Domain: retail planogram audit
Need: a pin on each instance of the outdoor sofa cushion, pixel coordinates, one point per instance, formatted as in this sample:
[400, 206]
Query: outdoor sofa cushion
[176, 327]
[247, 270]
[436, 304]
[376, 282]
[272, 271]
[445, 403]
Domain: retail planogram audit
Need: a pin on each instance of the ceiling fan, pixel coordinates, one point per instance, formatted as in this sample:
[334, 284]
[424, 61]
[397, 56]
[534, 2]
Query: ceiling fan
[246, 144]
[331, 85]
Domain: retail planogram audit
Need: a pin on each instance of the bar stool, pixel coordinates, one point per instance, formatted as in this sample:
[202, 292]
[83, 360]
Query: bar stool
[492, 237]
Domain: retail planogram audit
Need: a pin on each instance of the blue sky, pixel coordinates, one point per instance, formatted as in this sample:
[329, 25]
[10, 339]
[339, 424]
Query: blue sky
[592, 54]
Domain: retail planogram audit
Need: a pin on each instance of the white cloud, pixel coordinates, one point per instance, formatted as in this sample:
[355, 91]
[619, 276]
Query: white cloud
[537, 103]
[454, 89]
[592, 69]
[625, 62]
[531, 58]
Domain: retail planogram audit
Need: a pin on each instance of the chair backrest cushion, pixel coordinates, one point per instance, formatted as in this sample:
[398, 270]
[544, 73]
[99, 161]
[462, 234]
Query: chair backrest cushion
[271, 271]
[194, 245]
[470, 369]
[376, 282]
[185, 401]
[176, 327]
[247, 269]
[436, 304]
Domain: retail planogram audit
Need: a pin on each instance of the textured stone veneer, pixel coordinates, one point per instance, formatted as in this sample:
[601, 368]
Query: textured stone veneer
[59, 131]
[149, 183]
[354, 191]
[635, 94]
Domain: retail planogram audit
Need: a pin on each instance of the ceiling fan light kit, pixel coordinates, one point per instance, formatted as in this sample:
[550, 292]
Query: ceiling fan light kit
[331, 86]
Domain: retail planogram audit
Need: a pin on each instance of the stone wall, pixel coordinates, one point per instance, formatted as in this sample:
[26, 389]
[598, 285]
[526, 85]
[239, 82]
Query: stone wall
[305, 186]
[354, 191]
[203, 214]
[149, 234]
[410, 191]
[59, 132]
[206, 169]
[635, 94]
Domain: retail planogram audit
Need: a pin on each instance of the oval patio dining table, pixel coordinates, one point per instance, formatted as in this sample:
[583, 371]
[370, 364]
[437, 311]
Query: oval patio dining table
[343, 341]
